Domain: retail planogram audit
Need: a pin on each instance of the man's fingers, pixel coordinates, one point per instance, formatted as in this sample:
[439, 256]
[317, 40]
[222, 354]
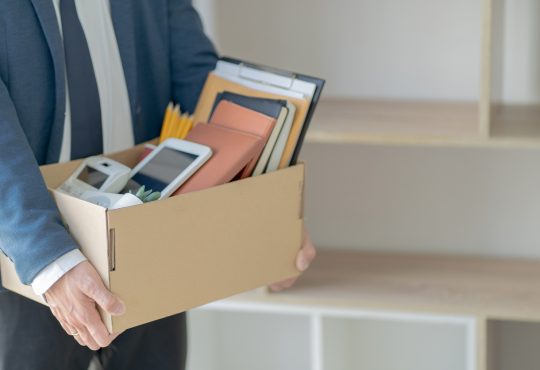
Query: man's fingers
[283, 285]
[63, 322]
[97, 329]
[306, 255]
[84, 338]
[104, 298]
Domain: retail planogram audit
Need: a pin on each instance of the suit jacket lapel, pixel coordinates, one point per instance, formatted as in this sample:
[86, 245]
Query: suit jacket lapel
[122, 17]
[49, 23]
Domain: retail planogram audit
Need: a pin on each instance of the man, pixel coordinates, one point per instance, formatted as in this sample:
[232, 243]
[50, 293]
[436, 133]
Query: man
[79, 78]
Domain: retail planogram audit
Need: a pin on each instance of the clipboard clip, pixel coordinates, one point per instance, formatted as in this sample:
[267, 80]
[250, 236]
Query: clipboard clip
[266, 75]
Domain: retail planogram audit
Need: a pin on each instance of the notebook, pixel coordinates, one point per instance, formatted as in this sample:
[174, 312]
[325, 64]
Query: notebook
[216, 84]
[281, 110]
[232, 152]
[271, 80]
[239, 118]
[281, 142]
[269, 107]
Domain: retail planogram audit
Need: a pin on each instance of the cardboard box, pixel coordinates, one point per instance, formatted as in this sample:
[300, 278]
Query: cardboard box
[169, 256]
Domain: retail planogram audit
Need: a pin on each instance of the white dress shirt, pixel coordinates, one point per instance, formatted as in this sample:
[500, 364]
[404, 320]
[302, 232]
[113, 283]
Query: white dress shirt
[95, 18]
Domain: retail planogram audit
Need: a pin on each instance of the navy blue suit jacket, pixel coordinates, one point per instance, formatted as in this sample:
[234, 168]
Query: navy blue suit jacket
[165, 55]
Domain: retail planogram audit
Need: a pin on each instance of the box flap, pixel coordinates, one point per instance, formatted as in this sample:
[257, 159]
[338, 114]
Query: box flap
[87, 224]
[56, 174]
[189, 250]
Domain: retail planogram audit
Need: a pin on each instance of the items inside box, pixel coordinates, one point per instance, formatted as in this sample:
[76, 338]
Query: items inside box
[249, 120]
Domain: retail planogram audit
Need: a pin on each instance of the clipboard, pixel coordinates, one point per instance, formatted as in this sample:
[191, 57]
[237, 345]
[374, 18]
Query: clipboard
[279, 83]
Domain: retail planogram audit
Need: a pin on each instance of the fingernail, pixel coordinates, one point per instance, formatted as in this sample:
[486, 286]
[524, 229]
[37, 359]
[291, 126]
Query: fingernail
[303, 264]
[120, 309]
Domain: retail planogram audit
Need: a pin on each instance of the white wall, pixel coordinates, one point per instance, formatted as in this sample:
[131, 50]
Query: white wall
[415, 49]
[517, 45]
[422, 199]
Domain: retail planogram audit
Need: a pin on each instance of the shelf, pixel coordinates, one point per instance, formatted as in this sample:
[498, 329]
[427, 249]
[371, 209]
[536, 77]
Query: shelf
[505, 289]
[231, 340]
[516, 121]
[421, 123]
[364, 344]
[351, 120]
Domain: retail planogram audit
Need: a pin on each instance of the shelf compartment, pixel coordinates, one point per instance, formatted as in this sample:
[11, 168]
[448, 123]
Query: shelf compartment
[513, 345]
[495, 288]
[363, 120]
[365, 344]
[516, 121]
[245, 340]
[423, 123]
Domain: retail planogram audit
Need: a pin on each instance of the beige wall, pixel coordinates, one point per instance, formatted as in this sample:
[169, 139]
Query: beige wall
[415, 49]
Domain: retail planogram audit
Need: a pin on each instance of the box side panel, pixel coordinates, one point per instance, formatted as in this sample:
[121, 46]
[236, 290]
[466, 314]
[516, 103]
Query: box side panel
[87, 224]
[189, 250]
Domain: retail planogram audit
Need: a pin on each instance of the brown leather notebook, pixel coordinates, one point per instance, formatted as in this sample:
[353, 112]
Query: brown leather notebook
[236, 117]
[232, 151]
[216, 84]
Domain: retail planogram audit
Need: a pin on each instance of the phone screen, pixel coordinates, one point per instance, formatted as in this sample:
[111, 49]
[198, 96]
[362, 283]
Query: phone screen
[93, 177]
[163, 169]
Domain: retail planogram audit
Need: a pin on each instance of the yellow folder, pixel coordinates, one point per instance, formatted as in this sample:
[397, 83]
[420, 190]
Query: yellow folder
[216, 84]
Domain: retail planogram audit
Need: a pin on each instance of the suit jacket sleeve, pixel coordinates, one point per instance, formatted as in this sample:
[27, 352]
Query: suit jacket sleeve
[193, 55]
[31, 231]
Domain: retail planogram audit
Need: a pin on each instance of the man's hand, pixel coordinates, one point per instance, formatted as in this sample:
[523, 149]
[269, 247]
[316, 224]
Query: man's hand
[303, 260]
[73, 300]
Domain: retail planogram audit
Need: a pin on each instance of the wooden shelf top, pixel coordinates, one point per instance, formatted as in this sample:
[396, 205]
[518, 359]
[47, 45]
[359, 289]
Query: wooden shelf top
[421, 123]
[454, 285]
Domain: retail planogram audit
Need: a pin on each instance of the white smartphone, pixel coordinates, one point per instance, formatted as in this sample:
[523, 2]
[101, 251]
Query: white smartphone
[97, 174]
[168, 166]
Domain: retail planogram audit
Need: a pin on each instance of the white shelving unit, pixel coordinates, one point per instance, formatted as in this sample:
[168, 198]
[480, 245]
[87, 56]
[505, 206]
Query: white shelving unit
[244, 335]
[352, 309]
[357, 310]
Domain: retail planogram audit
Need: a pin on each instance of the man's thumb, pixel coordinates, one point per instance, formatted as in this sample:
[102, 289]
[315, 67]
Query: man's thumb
[108, 301]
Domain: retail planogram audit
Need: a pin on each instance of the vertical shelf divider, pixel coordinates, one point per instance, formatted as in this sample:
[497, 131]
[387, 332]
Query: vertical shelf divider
[480, 343]
[316, 338]
[486, 64]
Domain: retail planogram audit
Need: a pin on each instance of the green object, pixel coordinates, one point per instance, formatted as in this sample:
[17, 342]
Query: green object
[147, 196]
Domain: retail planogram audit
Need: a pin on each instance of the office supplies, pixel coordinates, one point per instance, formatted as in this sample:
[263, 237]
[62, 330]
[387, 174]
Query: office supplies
[166, 122]
[281, 110]
[105, 200]
[236, 117]
[232, 151]
[167, 167]
[187, 126]
[277, 81]
[216, 84]
[281, 142]
[97, 174]
[116, 201]
[269, 107]
[175, 124]
[175, 121]
[179, 126]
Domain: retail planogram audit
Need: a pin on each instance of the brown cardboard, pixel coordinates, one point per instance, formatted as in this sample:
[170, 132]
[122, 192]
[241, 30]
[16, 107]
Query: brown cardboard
[169, 256]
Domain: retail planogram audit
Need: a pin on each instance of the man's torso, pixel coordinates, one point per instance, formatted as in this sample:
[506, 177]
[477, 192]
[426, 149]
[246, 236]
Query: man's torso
[31, 65]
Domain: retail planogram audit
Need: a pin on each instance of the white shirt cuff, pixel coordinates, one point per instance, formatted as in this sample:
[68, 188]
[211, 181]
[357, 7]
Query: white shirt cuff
[52, 273]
